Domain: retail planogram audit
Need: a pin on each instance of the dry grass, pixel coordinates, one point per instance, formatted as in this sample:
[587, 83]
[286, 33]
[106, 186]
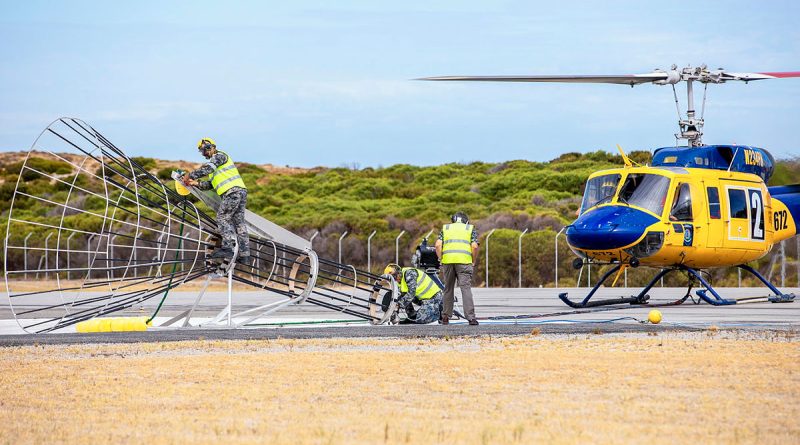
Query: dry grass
[588, 389]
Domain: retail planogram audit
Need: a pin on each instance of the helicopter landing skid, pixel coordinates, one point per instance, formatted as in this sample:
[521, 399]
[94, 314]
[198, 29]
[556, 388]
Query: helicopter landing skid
[716, 300]
[707, 293]
[636, 299]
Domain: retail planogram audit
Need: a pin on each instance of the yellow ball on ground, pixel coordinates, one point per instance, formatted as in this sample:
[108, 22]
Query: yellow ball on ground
[654, 316]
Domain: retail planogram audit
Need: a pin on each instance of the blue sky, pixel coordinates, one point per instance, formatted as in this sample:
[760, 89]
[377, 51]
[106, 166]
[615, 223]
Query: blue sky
[327, 83]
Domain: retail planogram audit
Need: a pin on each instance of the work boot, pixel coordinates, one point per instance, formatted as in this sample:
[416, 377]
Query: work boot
[473, 322]
[223, 253]
[444, 319]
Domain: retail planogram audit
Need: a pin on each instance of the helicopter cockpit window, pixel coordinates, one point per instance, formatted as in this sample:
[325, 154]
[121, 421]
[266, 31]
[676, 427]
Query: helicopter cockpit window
[599, 190]
[682, 204]
[645, 190]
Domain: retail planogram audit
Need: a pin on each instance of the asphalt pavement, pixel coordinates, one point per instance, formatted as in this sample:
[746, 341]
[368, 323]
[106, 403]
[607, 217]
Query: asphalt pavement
[502, 312]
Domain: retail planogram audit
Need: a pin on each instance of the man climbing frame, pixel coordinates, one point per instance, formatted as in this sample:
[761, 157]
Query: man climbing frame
[224, 178]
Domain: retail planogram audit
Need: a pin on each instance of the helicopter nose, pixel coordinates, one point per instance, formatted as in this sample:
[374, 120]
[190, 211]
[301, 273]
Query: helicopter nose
[609, 227]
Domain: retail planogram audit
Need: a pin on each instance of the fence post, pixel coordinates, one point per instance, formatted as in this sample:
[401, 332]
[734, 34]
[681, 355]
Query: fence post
[89, 256]
[486, 284]
[25, 249]
[397, 247]
[110, 255]
[555, 268]
[159, 258]
[626, 276]
[46, 252]
[69, 269]
[369, 250]
[783, 264]
[519, 255]
[340, 245]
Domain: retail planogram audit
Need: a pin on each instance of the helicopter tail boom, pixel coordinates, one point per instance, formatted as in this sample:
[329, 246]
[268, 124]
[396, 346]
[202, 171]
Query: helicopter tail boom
[785, 210]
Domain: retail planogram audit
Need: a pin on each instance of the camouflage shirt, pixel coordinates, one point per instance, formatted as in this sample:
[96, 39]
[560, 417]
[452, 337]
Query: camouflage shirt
[411, 277]
[206, 169]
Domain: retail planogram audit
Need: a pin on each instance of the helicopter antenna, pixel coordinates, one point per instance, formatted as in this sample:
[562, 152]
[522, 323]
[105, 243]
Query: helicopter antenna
[733, 158]
[690, 127]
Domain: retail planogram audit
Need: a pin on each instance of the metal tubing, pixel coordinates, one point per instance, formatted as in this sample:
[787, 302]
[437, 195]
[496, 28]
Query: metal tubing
[69, 238]
[46, 252]
[369, 250]
[311, 240]
[25, 258]
[519, 256]
[488, 235]
[89, 255]
[110, 253]
[340, 245]
[397, 247]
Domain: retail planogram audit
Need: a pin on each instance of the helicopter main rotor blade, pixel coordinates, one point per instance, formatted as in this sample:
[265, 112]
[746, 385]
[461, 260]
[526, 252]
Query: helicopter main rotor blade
[758, 76]
[631, 79]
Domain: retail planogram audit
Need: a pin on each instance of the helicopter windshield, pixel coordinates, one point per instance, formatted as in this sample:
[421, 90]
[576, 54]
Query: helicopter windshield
[645, 190]
[599, 189]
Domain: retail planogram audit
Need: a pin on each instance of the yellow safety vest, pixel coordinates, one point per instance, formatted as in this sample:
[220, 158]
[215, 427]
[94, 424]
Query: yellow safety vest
[426, 288]
[457, 244]
[226, 176]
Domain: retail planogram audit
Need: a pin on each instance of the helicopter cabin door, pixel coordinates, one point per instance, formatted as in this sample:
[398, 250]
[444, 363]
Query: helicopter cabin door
[744, 216]
[715, 222]
[682, 216]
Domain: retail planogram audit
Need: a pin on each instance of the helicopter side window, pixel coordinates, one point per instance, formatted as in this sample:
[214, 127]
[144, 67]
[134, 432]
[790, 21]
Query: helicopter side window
[599, 190]
[713, 202]
[682, 204]
[738, 203]
[645, 190]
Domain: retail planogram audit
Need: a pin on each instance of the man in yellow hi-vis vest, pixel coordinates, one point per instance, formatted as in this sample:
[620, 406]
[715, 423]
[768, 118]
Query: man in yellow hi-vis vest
[224, 178]
[457, 249]
[416, 287]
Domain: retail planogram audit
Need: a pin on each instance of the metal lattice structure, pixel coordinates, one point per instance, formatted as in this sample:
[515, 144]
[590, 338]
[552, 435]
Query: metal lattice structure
[108, 235]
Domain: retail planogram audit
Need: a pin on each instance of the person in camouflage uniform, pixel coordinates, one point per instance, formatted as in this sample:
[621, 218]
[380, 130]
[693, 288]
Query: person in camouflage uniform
[416, 287]
[225, 179]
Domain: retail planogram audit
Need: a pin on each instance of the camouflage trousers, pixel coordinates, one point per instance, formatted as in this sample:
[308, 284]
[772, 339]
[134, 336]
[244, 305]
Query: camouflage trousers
[428, 312]
[230, 219]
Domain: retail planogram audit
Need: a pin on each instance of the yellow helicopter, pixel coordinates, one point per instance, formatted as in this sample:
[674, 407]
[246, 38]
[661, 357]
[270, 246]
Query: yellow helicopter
[695, 207]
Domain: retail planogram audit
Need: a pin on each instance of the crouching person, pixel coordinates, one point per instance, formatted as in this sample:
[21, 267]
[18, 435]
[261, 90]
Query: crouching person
[420, 296]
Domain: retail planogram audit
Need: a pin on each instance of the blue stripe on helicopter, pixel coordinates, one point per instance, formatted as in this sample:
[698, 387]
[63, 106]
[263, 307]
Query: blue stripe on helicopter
[609, 227]
[789, 195]
[738, 158]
